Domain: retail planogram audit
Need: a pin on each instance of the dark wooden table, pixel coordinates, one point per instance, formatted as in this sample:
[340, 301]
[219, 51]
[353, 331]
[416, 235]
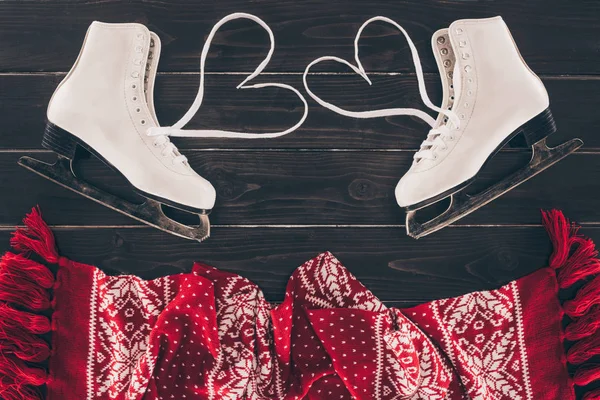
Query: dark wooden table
[328, 186]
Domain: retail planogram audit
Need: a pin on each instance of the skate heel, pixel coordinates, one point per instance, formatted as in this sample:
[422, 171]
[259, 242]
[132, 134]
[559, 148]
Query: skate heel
[539, 127]
[59, 141]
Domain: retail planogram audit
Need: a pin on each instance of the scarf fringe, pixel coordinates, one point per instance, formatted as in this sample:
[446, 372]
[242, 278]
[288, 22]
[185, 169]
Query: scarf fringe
[575, 259]
[593, 395]
[24, 294]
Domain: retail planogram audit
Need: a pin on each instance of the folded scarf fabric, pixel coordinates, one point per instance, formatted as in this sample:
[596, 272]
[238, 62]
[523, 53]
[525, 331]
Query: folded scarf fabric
[210, 334]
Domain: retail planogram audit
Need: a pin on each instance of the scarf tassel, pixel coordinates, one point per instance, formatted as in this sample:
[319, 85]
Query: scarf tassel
[35, 237]
[24, 296]
[593, 395]
[575, 259]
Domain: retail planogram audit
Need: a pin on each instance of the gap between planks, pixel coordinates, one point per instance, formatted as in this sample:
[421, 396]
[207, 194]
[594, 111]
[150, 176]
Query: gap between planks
[591, 151]
[295, 226]
[332, 73]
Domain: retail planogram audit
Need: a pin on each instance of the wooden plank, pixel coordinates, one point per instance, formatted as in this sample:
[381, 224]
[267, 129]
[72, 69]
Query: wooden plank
[396, 268]
[310, 188]
[25, 98]
[554, 36]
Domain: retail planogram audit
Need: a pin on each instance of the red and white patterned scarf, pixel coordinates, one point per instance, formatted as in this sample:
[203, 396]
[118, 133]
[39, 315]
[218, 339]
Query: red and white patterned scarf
[210, 334]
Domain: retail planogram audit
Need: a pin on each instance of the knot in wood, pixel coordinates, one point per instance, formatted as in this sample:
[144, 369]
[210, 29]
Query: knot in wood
[362, 189]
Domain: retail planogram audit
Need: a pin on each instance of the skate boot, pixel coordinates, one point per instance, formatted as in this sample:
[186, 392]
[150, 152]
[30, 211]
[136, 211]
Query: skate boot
[489, 97]
[105, 107]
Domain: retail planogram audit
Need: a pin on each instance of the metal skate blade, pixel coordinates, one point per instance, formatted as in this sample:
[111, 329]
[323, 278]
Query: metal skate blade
[149, 212]
[462, 204]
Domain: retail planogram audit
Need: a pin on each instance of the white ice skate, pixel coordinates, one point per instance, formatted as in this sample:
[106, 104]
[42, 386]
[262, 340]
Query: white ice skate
[489, 97]
[105, 106]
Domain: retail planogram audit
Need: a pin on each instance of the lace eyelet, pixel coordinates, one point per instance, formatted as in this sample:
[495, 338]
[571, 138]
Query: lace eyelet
[134, 86]
[441, 40]
[134, 98]
[451, 138]
[143, 122]
[447, 63]
[444, 51]
[137, 110]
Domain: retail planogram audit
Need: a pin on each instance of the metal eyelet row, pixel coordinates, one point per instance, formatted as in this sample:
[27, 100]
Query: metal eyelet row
[445, 51]
[148, 65]
[135, 74]
[465, 54]
[468, 69]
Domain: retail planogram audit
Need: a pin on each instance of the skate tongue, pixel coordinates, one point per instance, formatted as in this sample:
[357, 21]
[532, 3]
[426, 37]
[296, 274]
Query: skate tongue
[456, 82]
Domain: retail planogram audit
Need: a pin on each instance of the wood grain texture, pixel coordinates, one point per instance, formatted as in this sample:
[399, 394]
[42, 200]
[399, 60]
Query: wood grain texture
[24, 99]
[329, 185]
[310, 188]
[555, 36]
[395, 267]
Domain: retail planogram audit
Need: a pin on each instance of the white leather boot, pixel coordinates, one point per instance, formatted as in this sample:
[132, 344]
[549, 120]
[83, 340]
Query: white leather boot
[495, 94]
[105, 106]
[489, 96]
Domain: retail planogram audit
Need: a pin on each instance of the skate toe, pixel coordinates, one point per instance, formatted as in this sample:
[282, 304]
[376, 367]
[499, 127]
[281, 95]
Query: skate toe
[204, 194]
[410, 190]
[192, 192]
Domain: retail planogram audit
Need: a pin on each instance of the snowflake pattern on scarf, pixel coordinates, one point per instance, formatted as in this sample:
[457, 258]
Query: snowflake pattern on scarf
[212, 335]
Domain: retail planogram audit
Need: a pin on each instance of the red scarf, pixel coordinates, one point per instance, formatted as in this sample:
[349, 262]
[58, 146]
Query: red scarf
[210, 334]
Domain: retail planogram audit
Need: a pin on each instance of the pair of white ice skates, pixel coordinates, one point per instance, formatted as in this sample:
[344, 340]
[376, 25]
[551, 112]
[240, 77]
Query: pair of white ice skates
[105, 106]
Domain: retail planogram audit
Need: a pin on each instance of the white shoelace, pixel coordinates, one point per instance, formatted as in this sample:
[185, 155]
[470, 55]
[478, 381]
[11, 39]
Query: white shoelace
[436, 136]
[163, 133]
